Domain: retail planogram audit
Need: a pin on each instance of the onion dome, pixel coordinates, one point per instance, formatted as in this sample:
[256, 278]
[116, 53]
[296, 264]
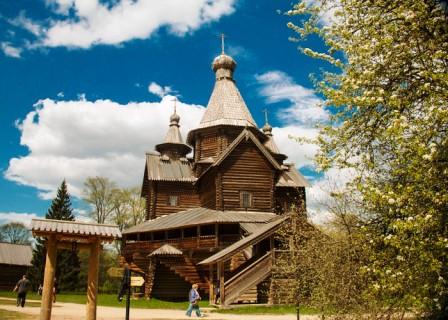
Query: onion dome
[223, 66]
[270, 143]
[173, 145]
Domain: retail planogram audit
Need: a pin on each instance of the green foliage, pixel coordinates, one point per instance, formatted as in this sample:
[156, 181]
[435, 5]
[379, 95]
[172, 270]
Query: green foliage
[15, 232]
[123, 207]
[67, 262]
[390, 126]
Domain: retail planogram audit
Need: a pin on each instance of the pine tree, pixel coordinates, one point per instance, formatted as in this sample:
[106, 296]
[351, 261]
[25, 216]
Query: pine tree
[68, 263]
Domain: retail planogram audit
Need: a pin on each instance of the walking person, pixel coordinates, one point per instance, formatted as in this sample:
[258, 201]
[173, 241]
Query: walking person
[22, 288]
[194, 298]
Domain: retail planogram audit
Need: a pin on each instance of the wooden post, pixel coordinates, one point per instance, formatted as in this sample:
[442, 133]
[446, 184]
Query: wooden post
[221, 283]
[211, 285]
[92, 280]
[216, 235]
[50, 269]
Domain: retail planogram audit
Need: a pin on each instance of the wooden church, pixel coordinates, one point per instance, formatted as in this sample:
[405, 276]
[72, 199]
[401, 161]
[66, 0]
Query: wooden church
[211, 219]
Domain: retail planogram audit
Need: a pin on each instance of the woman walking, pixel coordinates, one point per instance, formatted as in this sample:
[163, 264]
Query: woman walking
[194, 298]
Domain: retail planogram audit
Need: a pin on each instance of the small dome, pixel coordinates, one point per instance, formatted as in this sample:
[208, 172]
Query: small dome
[174, 118]
[267, 129]
[223, 61]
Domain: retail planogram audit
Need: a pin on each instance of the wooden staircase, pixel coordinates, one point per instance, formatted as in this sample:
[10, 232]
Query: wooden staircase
[247, 278]
[187, 270]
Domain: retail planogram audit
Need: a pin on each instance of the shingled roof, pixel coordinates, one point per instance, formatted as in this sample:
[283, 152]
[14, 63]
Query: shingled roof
[199, 216]
[159, 168]
[15, 254]
[292, 178]
[72, 229]
[262, 233]
[166, 250]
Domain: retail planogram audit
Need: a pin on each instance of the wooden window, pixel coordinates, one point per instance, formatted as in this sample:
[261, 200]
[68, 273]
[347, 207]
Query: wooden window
[245, 199]
[173, 200]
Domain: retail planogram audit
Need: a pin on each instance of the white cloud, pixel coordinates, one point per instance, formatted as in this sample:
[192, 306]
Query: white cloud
[300, 154]
[318, 196]
[327, 15]
[78, 139]
[10, 51]
[158, 90]
[304, 110]
[23, 22]
[85, 23]
[25, 218]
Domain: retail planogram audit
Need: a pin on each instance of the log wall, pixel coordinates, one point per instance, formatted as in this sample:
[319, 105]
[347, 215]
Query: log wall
[187, 197]
[246, 169]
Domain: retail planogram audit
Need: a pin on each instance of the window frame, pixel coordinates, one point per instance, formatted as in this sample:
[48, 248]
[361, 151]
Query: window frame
[173, 196]
[250, 197]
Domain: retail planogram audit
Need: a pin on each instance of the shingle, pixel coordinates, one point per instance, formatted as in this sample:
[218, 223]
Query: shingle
[166, 250]
[199, 216]
[41, 227]
[292, 178]
[16, 254]
[168, 170]
[262, 233]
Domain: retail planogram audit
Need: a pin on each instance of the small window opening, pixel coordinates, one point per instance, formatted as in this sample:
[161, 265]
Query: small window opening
[173, 200]
[246, 199]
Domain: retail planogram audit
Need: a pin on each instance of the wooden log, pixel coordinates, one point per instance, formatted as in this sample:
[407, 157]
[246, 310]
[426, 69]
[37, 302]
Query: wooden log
[92, 280]
[50, 268]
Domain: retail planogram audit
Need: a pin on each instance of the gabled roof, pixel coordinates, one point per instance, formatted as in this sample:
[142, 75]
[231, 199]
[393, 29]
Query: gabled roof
[199, 216]
[262, 233]
[244, 136]
[291, 177]
[44, 227]
[159, 168]
[166, 250]
[15, 254]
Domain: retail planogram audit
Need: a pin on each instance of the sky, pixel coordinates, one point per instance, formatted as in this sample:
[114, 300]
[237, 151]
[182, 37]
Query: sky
[87, 87]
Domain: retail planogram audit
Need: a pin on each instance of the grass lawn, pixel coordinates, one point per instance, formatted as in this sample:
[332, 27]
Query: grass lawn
[109, 300]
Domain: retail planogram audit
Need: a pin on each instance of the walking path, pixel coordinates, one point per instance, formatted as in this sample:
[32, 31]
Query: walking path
[73, 311]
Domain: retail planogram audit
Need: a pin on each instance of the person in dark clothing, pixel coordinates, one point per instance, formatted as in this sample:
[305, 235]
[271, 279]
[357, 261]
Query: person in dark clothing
[22, 288]
[217, 292]
[125, 281]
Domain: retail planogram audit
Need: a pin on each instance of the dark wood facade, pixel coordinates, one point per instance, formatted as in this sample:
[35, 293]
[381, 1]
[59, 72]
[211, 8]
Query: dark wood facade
[233, 186]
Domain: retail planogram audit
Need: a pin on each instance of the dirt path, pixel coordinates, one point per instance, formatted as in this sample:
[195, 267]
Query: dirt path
[72, 311]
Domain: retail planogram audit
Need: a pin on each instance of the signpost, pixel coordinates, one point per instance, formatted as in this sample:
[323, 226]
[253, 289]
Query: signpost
[137, 281]
[127, 282]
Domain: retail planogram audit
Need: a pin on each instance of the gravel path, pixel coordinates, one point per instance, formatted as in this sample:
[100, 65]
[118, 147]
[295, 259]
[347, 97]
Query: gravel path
[72, 311]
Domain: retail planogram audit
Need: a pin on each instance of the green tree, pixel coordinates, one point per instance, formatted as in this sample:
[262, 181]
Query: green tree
[389, 124]
[15, 232]
[99, 193]
[68, 263]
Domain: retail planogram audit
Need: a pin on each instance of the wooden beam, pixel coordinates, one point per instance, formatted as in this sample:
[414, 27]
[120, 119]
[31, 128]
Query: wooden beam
[92, 280]
[50, 269]
[221, 283]
[211, 285]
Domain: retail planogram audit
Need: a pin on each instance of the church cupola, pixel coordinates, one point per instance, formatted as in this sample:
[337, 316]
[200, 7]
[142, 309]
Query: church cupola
[173, 146]
[270, 143]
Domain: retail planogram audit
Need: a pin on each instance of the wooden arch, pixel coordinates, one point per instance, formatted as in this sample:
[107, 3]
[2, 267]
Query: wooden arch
[62, 234]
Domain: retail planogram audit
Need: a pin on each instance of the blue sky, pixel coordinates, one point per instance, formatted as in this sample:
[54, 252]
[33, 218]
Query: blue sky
[87, 86]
